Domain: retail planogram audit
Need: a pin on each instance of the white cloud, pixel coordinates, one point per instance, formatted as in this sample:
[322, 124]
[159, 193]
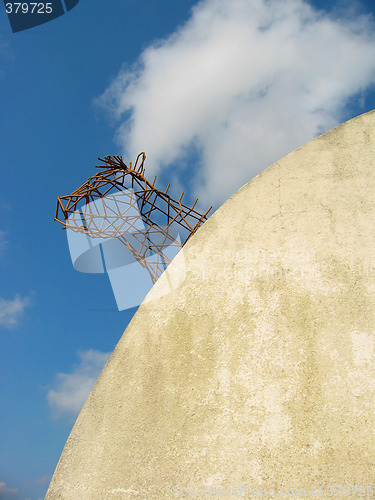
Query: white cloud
[6, 492]
[71, 390]
[244, 83]
[40, 480]
[12, 310]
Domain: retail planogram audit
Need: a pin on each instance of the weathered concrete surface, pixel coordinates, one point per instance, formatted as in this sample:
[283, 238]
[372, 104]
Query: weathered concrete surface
[259, 369]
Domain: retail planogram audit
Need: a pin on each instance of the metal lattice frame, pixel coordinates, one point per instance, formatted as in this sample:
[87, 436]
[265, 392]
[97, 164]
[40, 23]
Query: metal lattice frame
[119, 202]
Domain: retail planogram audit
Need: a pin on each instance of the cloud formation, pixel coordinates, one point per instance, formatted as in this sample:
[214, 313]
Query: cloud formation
[6, 492]
[238, 86]
[12, 310]
[71, 390]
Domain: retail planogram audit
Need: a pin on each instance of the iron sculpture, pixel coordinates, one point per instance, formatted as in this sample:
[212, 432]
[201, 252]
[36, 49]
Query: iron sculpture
[119, 202]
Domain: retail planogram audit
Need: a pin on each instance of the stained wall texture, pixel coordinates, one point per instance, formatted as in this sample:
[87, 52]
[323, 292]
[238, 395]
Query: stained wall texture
[258, 370]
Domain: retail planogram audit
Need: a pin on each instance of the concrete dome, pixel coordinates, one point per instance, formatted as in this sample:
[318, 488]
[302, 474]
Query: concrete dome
[258, 370]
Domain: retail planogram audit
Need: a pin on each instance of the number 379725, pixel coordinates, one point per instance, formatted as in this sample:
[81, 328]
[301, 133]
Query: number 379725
[31, 8]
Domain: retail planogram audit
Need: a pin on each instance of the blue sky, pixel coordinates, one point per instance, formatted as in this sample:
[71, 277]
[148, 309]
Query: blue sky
[213, 95]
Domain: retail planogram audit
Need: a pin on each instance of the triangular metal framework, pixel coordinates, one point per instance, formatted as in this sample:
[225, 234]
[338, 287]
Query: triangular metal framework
[119, 202]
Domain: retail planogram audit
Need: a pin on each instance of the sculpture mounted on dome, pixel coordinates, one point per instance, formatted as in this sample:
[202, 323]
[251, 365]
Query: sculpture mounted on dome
[120, 203]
